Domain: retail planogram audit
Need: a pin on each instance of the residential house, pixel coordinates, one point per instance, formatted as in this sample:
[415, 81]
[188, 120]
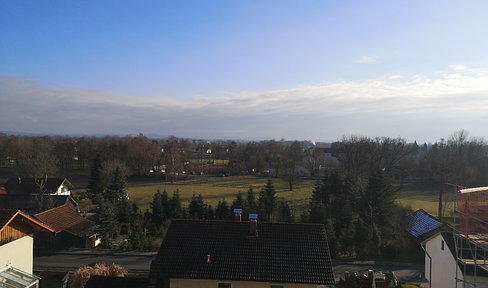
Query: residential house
[72, 229]
[421, 225]
[235, 254]
[49, 186]
[30, 203]
[446, 267]
[16, 248]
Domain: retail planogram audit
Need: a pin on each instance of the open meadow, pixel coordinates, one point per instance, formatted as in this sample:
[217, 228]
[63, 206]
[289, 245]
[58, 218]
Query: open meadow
[416, 195]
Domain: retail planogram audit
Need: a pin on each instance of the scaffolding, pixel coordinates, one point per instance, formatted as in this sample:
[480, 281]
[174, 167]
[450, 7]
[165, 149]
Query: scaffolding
[470, 235]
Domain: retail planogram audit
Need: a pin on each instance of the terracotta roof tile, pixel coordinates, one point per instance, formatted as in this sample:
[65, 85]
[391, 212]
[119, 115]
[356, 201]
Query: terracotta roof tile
[64, 218]
[8, 215]
[282, 252]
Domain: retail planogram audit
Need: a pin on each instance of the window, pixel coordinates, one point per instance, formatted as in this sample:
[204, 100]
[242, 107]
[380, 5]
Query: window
[224, 285]
[442, 245]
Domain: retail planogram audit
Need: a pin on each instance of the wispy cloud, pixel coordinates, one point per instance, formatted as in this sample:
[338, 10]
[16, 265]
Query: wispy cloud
[28, 107]
[367, 59]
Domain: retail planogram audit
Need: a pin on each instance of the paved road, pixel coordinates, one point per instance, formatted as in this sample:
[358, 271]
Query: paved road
[139, 262]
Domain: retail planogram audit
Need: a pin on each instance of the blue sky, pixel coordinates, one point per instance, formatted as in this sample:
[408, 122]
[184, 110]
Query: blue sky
[245, 69]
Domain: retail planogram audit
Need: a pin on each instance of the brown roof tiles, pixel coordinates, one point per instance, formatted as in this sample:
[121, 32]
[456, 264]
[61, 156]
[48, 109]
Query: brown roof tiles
[64, 218]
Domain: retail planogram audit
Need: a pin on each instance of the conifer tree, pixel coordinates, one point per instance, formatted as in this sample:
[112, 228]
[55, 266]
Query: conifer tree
[175, 206]
[116, 189]
[252, 206]
[196, 207]
[267, 200]
[97, 183]
[158, 214]
[222, 212]
[107, 220]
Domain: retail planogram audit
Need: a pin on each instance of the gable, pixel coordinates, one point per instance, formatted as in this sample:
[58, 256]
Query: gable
[420, 223]
[15, 224]
[65, 218]
[23, 186]
[282, 252]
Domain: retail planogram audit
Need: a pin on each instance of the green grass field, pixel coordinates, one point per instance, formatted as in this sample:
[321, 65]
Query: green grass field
[214, 190]
[416, 195]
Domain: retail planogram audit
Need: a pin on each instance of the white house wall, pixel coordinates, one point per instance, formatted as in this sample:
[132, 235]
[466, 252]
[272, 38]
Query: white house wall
[443, 264]
[63, 190]
[18, 254]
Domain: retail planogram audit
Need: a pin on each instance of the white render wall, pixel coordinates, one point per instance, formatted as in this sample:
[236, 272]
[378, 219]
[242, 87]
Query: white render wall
[18, 254]
[443, 264]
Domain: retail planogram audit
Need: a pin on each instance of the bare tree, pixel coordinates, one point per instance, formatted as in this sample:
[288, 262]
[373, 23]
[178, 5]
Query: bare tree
[172, 159]
[289, 170]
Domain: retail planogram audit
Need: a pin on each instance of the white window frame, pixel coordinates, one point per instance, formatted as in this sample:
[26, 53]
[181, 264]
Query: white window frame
[224, 282]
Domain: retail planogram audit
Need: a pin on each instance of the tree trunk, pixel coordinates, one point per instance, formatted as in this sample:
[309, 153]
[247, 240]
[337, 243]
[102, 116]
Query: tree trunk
[439, 213]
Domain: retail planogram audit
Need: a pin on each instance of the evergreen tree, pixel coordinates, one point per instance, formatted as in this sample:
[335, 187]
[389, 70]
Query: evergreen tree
[107, 220]
[124, 211]
[116, 189]
[267, 200]
[138, 238]
[222, 212]
[284, 213]
[165, 203]
[158, 214]
[97, 182]
[175, 206]
[378, 201]
[374, 210]
[196, 207]
[209, 213]
[251, 204]
[238, 203]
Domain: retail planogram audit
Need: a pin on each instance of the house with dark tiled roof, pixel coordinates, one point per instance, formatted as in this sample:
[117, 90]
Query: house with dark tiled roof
[443, 264]
[30, 203]
[422, 225]
[49, 186]
[234, 254]
[16, 248]
[72, 229]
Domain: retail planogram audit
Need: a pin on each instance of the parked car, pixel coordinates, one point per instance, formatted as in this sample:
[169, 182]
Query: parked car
[221, 175]
[201, 173]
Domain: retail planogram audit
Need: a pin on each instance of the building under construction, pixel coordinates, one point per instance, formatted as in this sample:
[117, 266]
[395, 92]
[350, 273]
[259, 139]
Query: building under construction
[470, 236]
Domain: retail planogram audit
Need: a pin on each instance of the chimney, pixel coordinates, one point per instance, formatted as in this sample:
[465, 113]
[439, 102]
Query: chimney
[253, 228]
[237, 215]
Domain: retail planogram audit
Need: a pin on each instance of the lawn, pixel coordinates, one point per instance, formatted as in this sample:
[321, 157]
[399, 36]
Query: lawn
[226, 188]
[424, 196]
[416, 195]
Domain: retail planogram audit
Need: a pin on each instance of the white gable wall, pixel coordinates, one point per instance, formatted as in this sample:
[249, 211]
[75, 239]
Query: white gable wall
[63, 190]
[443, 264]
[18, 254]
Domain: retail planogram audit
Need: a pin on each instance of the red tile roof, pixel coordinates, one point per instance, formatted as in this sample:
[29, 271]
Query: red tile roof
[282, 252]
[9, 215]
[64, 218]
